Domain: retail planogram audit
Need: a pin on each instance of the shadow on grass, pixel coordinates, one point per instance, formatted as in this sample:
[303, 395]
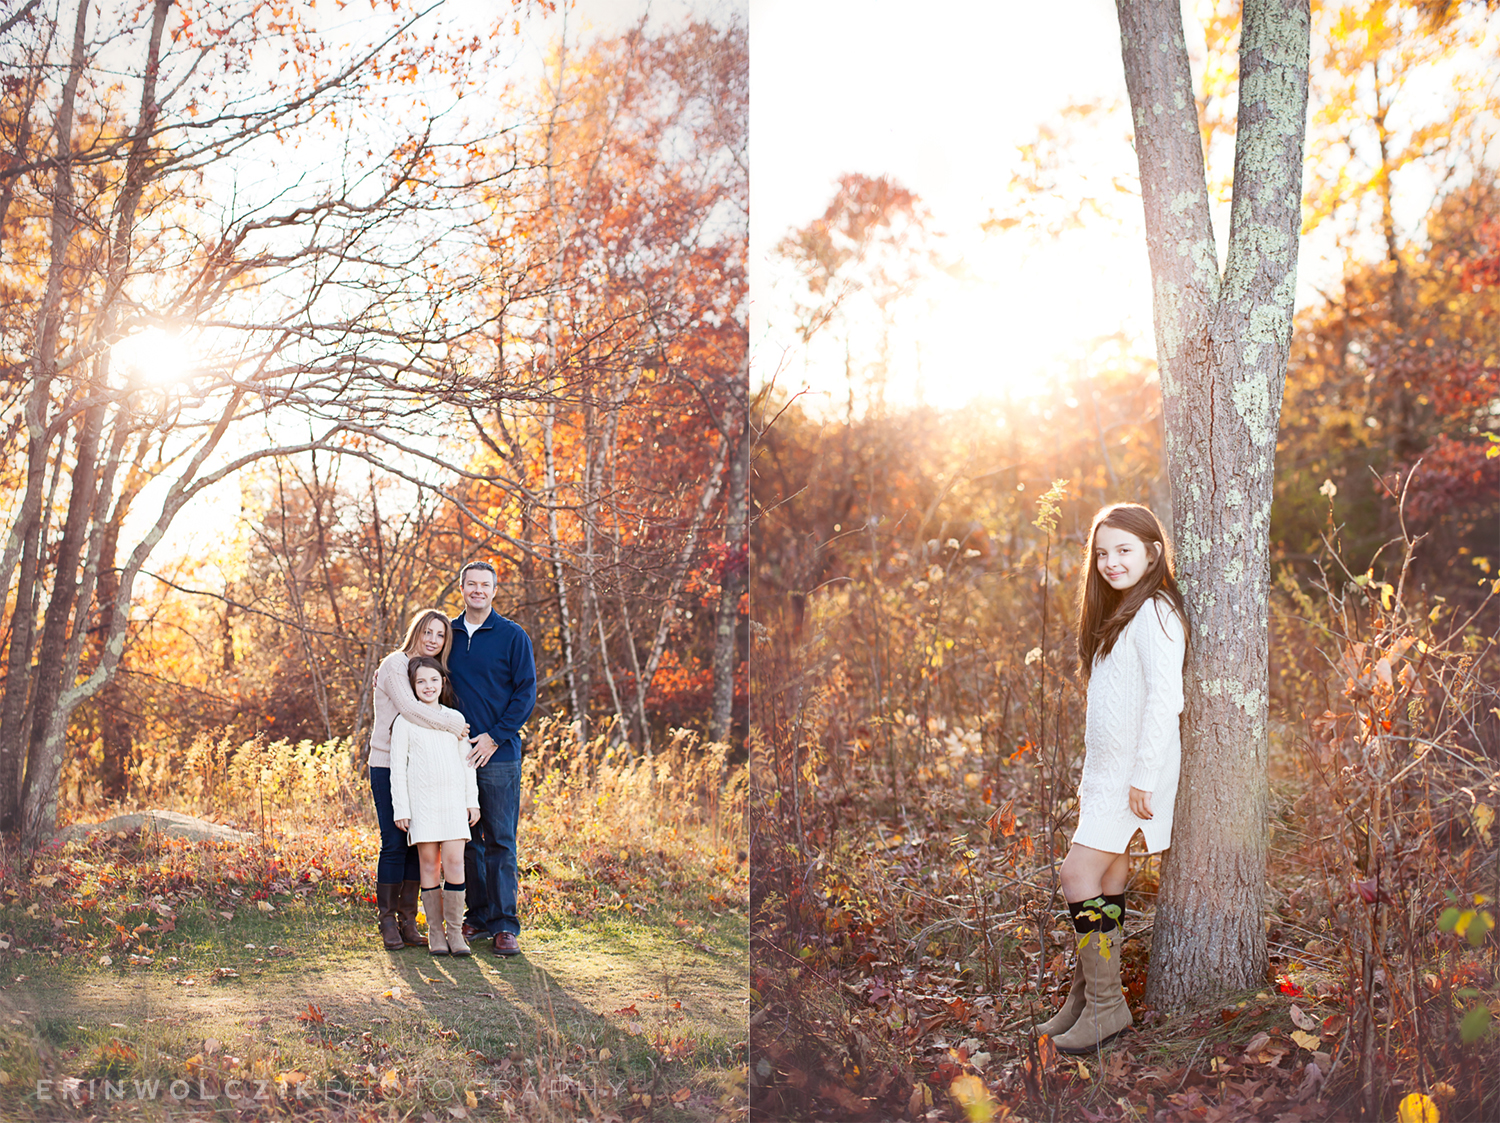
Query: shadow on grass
[605, 1005]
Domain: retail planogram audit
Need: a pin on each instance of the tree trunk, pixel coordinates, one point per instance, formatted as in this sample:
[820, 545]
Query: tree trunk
[727, 653]
[25, 540]
[1221, 347]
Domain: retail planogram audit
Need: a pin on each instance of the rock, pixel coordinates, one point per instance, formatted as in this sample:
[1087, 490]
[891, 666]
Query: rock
[163, 822]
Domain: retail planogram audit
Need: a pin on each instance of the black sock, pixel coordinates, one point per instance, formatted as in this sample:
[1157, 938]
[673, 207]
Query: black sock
[428, 888]
[450, 887]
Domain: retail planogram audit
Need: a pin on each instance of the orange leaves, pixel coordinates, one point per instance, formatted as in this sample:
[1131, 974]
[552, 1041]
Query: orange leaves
[311, 1016]
[1002, 823]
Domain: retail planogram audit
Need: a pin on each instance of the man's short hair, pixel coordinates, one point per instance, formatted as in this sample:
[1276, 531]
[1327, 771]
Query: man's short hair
[484, 565]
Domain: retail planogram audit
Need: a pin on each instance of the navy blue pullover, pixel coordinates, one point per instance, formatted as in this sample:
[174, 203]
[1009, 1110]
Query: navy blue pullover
[494, 676]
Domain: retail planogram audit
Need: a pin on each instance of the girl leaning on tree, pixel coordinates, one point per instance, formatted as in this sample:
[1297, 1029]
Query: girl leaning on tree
[1132, 637]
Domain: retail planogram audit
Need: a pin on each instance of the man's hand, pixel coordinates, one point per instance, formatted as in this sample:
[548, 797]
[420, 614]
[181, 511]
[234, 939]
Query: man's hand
[473, 815]
[484, 747]
[1140, 803]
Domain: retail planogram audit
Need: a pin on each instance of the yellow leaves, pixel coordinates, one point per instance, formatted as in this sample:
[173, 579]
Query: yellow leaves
[390, 1083]
[1418, 1108]
[969, 1092]
[1306, 1040]
[1483, 816]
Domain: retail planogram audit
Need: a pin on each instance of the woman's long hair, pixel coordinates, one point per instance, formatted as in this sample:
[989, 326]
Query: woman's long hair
[417, 662]
[1104, 612]
[418, 623]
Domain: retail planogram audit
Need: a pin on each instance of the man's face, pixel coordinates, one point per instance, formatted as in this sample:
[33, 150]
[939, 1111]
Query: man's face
[479, 589]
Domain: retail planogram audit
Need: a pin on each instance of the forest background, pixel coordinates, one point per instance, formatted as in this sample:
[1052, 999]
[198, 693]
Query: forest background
[921, 490]
[319, 308]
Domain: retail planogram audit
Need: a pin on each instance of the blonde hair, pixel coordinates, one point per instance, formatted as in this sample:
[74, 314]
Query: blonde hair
[419, 624]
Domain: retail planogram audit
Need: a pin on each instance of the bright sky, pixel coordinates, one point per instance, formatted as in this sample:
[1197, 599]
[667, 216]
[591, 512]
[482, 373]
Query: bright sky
[163, 358]
[940, 104]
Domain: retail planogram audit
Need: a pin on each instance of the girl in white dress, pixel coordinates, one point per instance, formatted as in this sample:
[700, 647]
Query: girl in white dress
[435, 798]
[1132, 636]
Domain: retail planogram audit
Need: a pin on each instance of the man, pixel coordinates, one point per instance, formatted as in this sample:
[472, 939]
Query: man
[494, 676]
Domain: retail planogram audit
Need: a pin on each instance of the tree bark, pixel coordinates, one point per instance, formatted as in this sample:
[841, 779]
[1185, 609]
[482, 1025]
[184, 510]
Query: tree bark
[1222, 345]
[727, 654]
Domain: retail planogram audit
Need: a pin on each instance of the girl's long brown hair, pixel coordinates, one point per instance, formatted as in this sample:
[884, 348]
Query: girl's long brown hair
[446, 696]
[1103, 612]
[414, 629]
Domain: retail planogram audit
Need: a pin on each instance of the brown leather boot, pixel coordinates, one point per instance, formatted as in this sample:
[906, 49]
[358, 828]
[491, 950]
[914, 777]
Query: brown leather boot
[385, 904]
[432, 905]
[406, 914]
[453, 921]
[1072, 1006]
[1105, 1014]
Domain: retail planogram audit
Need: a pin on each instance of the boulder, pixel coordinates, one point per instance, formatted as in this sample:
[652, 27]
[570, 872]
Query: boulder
[163, 822]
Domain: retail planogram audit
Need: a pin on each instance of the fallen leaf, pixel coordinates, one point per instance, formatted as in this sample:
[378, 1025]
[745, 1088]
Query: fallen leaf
[1258, 1042]
[1417, 1108]
[1303, 1020]
[265, 906]
[1306, 1040]
[312, 1016]
[390, 1083]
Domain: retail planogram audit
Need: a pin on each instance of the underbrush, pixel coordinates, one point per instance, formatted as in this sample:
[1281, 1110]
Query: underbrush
[914, 753]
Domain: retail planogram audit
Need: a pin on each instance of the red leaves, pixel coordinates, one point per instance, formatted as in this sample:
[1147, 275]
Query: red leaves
[1369, 891]
[311, 1016]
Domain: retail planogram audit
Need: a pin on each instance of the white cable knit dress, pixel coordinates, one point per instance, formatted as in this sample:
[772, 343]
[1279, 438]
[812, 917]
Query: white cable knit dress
[1131, 738]
[430, 783]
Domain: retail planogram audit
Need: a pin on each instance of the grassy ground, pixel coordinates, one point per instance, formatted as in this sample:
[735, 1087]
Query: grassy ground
[158, 979]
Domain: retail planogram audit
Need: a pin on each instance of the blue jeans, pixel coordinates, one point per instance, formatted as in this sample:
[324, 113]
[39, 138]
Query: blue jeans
[398, 861]
[495, 846]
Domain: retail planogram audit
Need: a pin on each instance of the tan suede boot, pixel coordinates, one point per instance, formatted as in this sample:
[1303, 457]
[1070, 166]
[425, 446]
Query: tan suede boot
[385, 904]
[406, 914]
[1072, 1006]
[1105, 1014]
[453, 921]
[432, 905]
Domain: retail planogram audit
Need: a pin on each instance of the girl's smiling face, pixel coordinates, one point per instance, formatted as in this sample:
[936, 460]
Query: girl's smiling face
[433, 636]
[1122, 558]
[428, 684]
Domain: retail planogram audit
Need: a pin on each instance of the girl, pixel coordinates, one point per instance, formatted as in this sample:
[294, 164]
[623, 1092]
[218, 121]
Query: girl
[435, 797]
[396, 884]
[1132, 635]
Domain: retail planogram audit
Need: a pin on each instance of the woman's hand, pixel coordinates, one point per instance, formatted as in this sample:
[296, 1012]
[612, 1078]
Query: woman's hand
[473, 815]
[1140, 803]
[403, 824]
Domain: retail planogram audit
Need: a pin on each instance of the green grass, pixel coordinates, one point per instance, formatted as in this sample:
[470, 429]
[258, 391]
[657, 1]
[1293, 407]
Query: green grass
[611, 1003]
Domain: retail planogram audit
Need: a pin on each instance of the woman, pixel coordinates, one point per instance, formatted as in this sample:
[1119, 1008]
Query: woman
[398, 873]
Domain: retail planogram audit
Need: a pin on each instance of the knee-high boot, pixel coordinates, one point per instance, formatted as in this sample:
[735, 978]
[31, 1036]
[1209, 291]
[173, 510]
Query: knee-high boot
[406, 914]
[1105, 1014]
[453, 920]
[432, 905]
[1072, 1006]
[385, 904]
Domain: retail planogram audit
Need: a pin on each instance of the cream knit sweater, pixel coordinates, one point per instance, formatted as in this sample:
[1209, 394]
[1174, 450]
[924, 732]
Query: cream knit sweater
[430, 783]
[393, 696]
[1132, 738]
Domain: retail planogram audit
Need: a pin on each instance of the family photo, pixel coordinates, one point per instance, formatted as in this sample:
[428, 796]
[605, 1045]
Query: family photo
[507, 615]
[373, 707]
